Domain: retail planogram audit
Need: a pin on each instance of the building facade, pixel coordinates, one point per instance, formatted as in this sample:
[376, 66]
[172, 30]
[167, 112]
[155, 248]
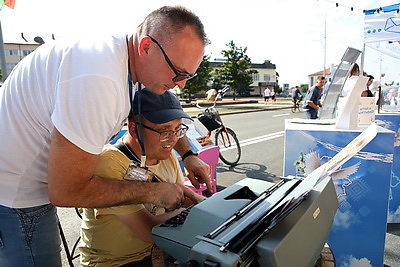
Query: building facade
[266, 76]
[15, 52]
[329, 72]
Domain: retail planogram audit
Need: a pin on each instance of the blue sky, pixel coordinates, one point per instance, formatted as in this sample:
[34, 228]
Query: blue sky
[290, 33]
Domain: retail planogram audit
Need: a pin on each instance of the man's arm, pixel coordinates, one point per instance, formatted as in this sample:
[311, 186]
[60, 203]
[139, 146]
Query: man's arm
[72, 183]
[311, 104]
[199, 171]
[142, 222]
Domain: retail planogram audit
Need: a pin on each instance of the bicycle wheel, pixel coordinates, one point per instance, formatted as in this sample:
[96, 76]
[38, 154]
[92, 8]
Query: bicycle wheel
[228, 143]
[300, 107]
[293, 108]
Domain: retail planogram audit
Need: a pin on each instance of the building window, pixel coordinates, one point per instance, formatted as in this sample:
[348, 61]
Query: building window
[256, 77]
[26, 52]
[10, 66]
[267, 77]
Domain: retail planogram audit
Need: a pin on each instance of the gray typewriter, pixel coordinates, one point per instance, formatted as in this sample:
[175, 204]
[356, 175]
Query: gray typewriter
[248, 224]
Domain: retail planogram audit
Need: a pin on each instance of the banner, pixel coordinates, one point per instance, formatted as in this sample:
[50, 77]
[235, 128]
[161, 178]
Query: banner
[382, 30]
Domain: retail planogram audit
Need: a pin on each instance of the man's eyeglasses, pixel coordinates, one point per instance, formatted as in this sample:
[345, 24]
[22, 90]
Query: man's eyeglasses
[179, 76]
[166, 135]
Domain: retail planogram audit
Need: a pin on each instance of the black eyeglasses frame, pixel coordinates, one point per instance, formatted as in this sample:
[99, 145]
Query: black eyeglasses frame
[179, 76]
[183, 127]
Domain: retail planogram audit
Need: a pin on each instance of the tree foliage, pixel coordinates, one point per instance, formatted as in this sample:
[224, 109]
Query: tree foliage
[200, 82]
[304, 88]
[236, 70]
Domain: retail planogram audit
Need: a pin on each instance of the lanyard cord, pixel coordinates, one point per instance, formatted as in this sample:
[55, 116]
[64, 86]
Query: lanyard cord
[141, 138]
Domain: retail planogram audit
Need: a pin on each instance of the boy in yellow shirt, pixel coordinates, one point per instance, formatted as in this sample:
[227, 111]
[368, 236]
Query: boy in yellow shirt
[121, 236]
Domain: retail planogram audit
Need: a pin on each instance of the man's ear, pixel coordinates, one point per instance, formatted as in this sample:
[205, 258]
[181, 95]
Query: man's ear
[144, 46]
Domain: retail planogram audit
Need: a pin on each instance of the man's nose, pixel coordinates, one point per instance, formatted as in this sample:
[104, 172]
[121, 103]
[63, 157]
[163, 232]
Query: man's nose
[181, 84]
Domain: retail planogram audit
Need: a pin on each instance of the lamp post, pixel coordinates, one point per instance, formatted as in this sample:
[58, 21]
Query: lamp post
[325, 47]
[326, 12]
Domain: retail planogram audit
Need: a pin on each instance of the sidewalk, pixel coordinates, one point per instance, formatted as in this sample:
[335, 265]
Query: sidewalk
[244, 104]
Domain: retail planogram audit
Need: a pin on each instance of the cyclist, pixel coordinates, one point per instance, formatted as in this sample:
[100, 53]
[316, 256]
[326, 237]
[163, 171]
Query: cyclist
[296, 95]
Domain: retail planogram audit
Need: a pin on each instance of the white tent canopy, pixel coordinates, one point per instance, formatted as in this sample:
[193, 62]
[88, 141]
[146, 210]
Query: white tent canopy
[382, 30]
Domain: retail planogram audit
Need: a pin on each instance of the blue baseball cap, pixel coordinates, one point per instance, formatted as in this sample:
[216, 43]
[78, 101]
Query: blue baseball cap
[158, 109]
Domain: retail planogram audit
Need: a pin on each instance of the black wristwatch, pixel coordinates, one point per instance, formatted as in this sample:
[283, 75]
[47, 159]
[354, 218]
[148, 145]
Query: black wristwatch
[188, 153]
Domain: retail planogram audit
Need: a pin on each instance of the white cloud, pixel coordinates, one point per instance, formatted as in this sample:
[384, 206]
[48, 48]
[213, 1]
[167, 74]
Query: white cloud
[344, 220]
[394, 217]
[354, 262]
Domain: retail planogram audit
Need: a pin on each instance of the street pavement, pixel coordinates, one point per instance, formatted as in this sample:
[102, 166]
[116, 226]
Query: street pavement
[71, 222]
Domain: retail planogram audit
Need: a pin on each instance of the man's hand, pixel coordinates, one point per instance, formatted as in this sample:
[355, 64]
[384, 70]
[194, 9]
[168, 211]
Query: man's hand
[198, 172]
[168, 195]
[174, 196]
[192, 197]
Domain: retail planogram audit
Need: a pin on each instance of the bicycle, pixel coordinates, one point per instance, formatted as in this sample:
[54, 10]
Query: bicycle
[230, 151]
[297, 104]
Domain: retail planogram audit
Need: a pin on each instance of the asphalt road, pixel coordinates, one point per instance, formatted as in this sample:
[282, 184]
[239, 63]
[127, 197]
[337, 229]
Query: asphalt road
[262, 140]
[261, 136]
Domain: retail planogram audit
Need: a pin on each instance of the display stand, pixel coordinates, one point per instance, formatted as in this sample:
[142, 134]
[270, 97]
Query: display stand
[362, 187]
[392, 122]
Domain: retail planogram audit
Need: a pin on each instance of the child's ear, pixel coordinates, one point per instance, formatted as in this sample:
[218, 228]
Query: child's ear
[131, 129]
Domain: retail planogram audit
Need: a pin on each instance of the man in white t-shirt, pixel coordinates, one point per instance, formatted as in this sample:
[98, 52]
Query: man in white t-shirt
[267, 93]
[58, 108]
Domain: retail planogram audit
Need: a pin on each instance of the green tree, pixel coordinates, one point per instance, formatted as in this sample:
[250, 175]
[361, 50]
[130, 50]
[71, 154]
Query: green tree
[236, 70]
[304, 88]
[200, 82]
[278, 89]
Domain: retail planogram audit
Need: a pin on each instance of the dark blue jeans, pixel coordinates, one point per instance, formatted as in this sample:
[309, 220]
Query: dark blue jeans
[311, 113]
[29, 237]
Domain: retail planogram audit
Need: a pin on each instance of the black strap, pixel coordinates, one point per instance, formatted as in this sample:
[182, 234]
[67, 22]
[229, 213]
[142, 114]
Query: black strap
[121, 146]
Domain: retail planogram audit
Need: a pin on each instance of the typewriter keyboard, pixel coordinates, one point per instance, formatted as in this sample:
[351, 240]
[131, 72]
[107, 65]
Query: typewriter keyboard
[177, 219]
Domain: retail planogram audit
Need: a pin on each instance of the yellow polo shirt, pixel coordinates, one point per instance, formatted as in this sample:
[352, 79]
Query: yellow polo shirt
[105, 240]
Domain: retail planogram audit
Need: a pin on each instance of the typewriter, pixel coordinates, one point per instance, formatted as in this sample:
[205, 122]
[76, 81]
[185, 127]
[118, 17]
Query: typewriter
[251, 224]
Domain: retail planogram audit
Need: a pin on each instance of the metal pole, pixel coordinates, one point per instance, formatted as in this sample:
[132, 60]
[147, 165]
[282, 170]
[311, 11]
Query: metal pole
[362, 61]
[2, 57]
[380, 70]
[325, 48]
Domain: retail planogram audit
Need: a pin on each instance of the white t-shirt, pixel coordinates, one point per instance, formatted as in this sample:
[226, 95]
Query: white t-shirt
[79, 87]
[349, 85]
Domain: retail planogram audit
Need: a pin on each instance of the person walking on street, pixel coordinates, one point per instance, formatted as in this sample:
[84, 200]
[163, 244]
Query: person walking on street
[267, 93]
[273, 95]
[312, 101]
[58, 108]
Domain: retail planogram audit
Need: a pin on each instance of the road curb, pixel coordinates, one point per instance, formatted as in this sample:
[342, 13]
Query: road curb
[246, 111]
